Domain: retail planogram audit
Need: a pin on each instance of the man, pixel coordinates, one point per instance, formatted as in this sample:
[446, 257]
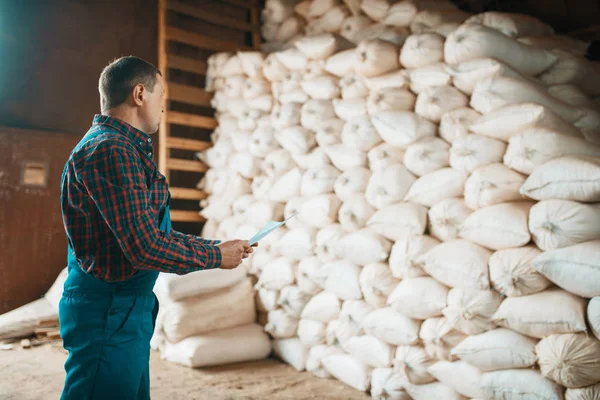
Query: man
[115, 207]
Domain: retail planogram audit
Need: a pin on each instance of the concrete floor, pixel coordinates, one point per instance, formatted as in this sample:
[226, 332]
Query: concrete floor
[37, 374]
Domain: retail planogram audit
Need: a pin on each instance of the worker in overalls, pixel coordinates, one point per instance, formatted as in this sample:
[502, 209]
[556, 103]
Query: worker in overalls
[115, 207]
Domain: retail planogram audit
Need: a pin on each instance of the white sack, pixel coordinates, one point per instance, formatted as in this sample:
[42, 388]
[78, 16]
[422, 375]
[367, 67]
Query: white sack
[524, 152]
[375, 57]
[383, 155]
[470, 152]
[315, 158]
[512, 119]
[593, 316]
[277, 274]
[422, 49]
[317, 181]
[330, 132]
[493, 93]
[392, 327]
[514, 25]
[586, 393]
[406, 251]
[470, 310]
[472, 41]
[352, 182]
[574, 268]
[492, 184]
[388, 384]
[359, 133]
[429, 19]
[343, 280]
[570, 359]
[459, 375]
[311, 333]
[428, 76]
[314, 112]
[413, 361]
[390, 100]
[176, 287]
[446, 218]
[354, 213]
[281, 325]
[200, 314]
[556, 224]
[277, 163]
[434, 102]
[322, 307]
[435, 390]
[233, 345]
[320, 47]
[497, 349]
[353, 87]
[518, 383]
[376, 283]
[565, 178]
[393, 80]
[439, 338]
[345, 158]
[266, 300]
[349, 370]
[348, 109]
[370, 350]
[363, 247]
[314, 362]
[427, 155]
[286, 115]
[575, 70]
[326, 240]
[401, 128]
[500, 226]
[292, 352]
[388, 185]
[542, 314]
[286, 187]
[341, 64]
[399, 220]
[513, 274]
[419, 298]
[458, 263]
[436, 186]
[320, 211]
[467, 74]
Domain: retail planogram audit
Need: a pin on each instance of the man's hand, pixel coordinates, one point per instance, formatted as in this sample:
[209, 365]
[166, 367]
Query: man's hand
[233, 252]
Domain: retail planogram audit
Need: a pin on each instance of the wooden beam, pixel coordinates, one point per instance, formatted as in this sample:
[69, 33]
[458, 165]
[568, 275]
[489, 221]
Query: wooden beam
[212, 18]
[186, 216]
[188, 94]
[187, 64]
[201, 41]
[255, 19]
[187, 144]
[196, 121]
[163, 129]
[241, 3]
[178, 164]
[187, 193]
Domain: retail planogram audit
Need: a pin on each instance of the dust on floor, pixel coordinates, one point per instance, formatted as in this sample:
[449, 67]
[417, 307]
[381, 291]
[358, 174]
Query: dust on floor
[37, 374]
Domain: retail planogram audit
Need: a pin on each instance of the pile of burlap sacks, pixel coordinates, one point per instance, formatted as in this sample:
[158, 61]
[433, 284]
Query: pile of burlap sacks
[445, 172]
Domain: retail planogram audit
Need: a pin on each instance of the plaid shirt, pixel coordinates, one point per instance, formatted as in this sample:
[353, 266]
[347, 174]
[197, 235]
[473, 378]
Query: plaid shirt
[113, 198]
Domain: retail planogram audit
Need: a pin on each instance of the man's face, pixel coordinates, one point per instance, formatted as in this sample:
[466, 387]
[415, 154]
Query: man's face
[153, 106]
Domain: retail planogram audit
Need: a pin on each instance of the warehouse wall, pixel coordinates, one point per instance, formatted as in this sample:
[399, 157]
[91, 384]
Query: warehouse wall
[52, 54]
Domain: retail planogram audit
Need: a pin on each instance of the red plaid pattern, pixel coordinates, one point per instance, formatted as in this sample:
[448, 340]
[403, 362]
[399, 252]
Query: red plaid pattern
[113, 198]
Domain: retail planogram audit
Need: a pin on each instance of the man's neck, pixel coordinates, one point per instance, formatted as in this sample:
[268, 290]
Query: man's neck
[125, 115]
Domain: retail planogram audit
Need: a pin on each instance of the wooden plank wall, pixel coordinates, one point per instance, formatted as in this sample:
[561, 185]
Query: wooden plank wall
[32, 238]
[190, 31]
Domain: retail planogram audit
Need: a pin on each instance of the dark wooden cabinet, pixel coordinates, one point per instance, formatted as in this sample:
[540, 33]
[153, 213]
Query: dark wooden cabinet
[33, 246]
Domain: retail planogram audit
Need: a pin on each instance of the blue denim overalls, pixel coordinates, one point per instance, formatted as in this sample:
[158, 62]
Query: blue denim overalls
[107, 327]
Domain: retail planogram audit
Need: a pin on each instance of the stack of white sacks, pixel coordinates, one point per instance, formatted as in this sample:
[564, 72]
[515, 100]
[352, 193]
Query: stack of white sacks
[446, 175]
[208, 318]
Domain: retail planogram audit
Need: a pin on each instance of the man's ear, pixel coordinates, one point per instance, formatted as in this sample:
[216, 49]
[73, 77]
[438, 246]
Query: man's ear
[138, 94]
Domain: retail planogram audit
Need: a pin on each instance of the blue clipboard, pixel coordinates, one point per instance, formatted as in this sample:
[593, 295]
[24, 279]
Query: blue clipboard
[268, 228]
